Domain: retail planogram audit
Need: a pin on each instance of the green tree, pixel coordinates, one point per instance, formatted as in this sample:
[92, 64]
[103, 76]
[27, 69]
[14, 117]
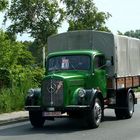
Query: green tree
[36, 51]
[15, 58]
[3, 4]
[132, 33]
[84, 15]
[119, 33]
[17, 73]
[40, 18]
[13, 53]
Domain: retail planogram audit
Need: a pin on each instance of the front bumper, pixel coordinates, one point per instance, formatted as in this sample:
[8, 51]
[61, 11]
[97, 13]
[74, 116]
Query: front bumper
[63, 109]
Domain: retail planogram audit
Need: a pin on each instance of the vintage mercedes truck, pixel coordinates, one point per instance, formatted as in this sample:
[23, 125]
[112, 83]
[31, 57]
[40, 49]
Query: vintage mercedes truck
[87, 72]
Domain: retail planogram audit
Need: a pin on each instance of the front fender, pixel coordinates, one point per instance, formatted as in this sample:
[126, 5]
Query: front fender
[33, 97]
[75, 97]
[88, 99]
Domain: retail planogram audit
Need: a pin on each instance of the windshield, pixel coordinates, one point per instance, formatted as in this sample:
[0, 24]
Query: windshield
[69, 62]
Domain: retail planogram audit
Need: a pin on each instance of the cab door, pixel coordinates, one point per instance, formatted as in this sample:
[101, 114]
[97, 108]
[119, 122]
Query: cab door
[99, 74]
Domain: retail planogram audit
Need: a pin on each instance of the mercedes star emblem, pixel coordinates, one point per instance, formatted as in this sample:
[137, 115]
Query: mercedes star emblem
[51, 88]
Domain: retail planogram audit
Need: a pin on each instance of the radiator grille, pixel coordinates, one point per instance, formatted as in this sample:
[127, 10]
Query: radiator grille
[52, 92]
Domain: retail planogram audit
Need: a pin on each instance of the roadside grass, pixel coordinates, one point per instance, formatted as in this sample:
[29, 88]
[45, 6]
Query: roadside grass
[137, 89]
[13, 95]
[12, 99]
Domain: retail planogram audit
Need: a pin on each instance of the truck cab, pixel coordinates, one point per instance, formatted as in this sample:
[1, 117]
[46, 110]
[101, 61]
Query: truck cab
[73, 72]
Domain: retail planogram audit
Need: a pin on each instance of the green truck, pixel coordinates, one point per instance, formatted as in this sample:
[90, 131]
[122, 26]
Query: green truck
[86, 72]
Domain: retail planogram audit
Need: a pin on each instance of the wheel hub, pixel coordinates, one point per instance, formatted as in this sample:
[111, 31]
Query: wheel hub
[97, 112]
[131, 104]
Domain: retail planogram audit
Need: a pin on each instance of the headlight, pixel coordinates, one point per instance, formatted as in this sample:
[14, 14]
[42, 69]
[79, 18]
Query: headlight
[31, 92]
[81, 93]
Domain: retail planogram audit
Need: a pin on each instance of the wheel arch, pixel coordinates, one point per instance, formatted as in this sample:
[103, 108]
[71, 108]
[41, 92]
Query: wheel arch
[131, 91]
[100, 96]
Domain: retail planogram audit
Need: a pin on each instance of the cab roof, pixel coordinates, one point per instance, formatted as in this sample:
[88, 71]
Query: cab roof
[75, 52]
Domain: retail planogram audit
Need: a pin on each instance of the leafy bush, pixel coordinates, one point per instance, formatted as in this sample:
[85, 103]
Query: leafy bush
[13, 99]
[137, 89]
[17, 73]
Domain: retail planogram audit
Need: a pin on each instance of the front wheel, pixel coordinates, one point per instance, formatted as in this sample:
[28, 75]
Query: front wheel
[36, 118]
[94, 116]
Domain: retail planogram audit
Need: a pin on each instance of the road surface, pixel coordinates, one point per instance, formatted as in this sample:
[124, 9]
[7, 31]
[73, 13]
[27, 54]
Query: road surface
[66, 129]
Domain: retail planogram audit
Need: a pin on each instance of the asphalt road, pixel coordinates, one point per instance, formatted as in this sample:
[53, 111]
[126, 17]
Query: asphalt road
[66, 129]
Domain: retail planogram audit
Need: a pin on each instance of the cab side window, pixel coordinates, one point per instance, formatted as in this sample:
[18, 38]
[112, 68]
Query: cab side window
[99, 62]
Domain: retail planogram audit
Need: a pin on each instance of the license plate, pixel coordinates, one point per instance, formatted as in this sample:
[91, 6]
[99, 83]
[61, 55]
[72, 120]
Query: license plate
[51, 109]
[51, 114]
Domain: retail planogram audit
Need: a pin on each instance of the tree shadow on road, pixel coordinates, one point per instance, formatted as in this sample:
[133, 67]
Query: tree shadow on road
[60, 126]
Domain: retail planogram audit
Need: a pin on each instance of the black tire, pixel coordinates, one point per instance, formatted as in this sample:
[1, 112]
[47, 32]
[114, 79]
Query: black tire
[36, 119]
[129, 105]
[94, 116]
[120, 114]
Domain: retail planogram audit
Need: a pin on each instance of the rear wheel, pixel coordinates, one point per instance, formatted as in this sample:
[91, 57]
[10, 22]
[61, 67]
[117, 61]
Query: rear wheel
[119, 113]
[36, 118]
[129, 107]
[94, 116]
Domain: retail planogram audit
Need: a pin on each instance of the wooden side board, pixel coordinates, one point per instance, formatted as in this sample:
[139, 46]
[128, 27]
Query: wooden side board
[123, 82]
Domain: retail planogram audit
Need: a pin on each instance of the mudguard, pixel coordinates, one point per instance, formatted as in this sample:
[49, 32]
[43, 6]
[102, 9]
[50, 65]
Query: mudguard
[33, 97]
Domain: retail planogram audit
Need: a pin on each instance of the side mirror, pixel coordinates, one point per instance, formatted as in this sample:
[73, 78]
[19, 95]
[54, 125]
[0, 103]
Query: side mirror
[108, 63]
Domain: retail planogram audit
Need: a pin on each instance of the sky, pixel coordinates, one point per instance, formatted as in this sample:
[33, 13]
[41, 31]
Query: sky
[125, 16]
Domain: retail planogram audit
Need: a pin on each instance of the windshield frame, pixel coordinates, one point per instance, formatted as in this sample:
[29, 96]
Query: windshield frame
[65, 55]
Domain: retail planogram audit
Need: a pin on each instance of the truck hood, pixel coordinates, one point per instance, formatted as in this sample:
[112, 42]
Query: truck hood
[71, 78]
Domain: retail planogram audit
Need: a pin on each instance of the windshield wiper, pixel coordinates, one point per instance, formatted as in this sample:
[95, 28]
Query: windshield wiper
[72, 66]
